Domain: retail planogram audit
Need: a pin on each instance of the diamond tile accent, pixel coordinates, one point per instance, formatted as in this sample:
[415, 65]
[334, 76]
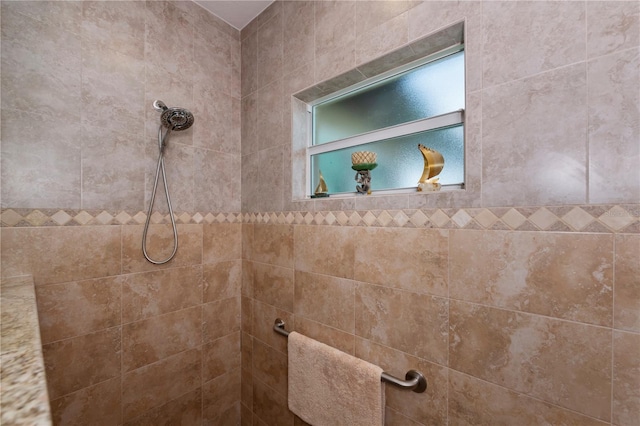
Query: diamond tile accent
[83, 218]
[308, 218]
[486, 218]
[419, 218]
[289, 218]
[123, 217]
[140, 218]
[461, 218]
[577, 218]
[198, 218]
[439, 218]
[543, 218]
[400, 218]
[355, 219]
[384, 218]
[369, 218]
[37, 218]
[104, 218]
[61, 217]
[330, 218]
[10, 218]
[513, 218]
[184, 217]
[616, 218]
[156, 218]
[318, 218]
[342, 218]
[299, 218]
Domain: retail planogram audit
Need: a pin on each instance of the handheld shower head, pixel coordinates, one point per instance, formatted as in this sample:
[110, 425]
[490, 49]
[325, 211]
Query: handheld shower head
[174, 118]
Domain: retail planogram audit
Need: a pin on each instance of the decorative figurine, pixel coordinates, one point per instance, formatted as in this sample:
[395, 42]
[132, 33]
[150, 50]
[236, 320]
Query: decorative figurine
[363, 162]
[433, 164]
[321, 189]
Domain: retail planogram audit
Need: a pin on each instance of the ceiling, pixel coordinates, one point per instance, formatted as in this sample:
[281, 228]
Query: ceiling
[238, 13]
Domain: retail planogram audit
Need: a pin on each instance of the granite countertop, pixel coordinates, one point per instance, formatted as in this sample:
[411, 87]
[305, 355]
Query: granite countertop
[23, 388]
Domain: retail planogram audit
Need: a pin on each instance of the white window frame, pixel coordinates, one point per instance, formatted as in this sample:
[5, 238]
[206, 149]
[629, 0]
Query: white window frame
[421, 125]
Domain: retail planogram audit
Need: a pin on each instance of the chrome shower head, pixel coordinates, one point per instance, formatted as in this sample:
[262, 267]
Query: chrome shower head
[174, 118]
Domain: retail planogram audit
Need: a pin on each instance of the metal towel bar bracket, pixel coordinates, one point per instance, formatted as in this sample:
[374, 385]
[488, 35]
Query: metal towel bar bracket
[414, 380]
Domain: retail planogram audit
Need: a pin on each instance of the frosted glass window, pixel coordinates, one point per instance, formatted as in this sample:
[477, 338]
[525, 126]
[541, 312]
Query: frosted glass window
[422, 103]
[429, 90]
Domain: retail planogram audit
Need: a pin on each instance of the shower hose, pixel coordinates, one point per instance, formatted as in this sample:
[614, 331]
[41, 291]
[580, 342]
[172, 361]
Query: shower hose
[160, 168]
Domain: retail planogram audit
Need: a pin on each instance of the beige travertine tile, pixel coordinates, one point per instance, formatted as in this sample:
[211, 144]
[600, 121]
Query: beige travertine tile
[614, 131]
[222, 280]
[246, 392]
[82, 361]
[324, 250]
[612, 26]
[325, 299]
[92, 405]
[246, 352]
[410, 322]
[328, 335]
[270, 189]
[249, 124]
[78, 307]
[246, 307]
[113, 169]
[418, 264]
[220, 318]
[525, 38]
[61, 254]
[249, 69]
[273, 244]
[298, 33]
[273, 285]
[222, 241]
[184, 410]
[394, 418]
[159, 247]
[564, 363]
[270, 406]
[27, 152]
[370, 14]
[159, 292]
[217, 187]
[41, 62]
[113, 90]
[562, 148]
[270, 367]
[270, 44]
[269, 116]
[156, 384]
[230, 416]
[336, 62]
[220, 356]
[178, 161]
[65, 15]
[561, 275]
[249, 183]
[384, 38]
[118, 26]
[335, 25]
[626, 311]
[219, 395]
[429, 407]
[159, 337]
[218, 126]
[626, 378]
[247, 278]
[476, 402]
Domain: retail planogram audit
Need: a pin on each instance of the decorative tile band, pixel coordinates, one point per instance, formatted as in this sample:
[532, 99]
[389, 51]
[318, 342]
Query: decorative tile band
[596, 218]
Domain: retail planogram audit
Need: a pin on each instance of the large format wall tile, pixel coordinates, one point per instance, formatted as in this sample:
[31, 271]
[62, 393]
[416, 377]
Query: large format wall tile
[219, 395]
[273, 285]
[220, 356]
[184, 410]
[418, 264]
[612, 26]
[614, 127]
[222, 280]
[564, 363]
[221, 242]
[92, 405]
[327, 250]
[626, 378]
[533, 140]
[626, 310]
[273, 244]
[559, 275]
[79, 307]
[298, 33]
[525, 38]
[270, 50]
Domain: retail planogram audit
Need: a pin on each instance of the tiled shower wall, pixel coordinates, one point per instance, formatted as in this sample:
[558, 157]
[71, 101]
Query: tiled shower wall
[518, 298]
[125, 342]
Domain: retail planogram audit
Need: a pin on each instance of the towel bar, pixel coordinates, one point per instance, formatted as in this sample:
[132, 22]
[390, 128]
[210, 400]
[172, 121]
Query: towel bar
[414, 380]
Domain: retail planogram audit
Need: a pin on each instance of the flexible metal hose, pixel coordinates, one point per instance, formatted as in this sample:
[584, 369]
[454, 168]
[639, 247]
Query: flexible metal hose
[160, 168]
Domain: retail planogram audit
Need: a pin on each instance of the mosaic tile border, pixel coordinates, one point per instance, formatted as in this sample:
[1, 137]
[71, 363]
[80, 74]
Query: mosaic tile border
[624, 218]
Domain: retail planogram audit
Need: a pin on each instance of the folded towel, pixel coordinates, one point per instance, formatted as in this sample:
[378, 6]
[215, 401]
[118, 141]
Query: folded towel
[328, 387]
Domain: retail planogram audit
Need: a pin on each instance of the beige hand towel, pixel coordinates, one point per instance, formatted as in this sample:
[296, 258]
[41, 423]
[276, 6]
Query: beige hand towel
[328, 387]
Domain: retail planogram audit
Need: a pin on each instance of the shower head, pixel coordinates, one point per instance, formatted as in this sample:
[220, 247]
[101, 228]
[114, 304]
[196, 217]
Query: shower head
[174, 118]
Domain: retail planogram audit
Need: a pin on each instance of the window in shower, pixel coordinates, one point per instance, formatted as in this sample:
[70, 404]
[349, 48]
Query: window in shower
[389, 114]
